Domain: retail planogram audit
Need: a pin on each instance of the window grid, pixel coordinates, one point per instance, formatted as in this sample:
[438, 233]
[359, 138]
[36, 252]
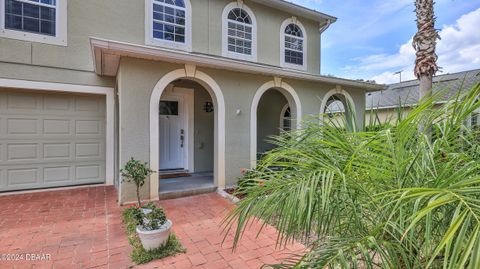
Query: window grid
[33, 16]
[287, 120]
[169, 20]
[239, 32]
[293, 45]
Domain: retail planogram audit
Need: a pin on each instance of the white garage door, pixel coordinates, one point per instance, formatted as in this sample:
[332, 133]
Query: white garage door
[50, 139]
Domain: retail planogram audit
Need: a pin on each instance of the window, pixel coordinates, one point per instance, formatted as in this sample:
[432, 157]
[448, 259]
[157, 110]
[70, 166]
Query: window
[239, 32]
[168, 108]
[34, 20]
[293, 45]
[168, 23]
[286, 119]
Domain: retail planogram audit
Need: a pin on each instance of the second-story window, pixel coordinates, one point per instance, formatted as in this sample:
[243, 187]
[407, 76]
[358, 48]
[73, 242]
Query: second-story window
[34, 20]
[239, 32]
[31, 16]
[169, 23]
[293, 45]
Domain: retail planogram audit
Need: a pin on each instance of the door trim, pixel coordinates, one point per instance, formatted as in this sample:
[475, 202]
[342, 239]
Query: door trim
[74, 88]
[189, 72]
[189, 120]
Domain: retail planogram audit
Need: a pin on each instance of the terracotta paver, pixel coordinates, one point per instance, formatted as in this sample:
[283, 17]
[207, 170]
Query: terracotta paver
[78, 228]
[81, 228]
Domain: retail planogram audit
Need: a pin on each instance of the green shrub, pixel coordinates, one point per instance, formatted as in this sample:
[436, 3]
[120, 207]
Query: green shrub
[136, 172]
[392, 197]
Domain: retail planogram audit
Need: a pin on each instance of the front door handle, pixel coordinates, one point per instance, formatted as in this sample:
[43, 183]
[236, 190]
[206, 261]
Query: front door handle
[182, 138]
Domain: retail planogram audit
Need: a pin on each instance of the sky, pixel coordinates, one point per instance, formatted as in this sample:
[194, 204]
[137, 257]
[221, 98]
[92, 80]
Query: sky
[372, 39]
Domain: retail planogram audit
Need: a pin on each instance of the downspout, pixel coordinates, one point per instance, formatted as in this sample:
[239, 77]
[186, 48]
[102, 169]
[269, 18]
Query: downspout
[322, 29]
[325, 26]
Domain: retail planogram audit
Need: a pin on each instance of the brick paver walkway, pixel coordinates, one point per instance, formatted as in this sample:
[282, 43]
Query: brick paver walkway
[81, 228]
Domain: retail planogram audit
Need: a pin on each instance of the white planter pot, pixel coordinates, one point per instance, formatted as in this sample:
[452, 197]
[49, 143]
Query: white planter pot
[155, 239]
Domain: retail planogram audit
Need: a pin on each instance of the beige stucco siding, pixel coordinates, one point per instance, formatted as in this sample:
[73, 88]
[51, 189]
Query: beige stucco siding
[137, 78]
[124, 20]
[53, 74]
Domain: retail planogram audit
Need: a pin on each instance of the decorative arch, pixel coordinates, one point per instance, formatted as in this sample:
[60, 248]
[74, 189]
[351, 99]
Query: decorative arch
[295, 107]
[337, 91]
[225, 52]
[284, 25]
[189, 72]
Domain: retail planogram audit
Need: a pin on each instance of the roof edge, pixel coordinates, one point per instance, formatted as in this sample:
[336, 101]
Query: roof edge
[297, 9]
[107, 54]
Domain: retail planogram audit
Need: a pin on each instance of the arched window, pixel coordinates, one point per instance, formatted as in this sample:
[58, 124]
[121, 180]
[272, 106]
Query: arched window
[170, 23]
[286, 118]
[293, 45]
[239, 33]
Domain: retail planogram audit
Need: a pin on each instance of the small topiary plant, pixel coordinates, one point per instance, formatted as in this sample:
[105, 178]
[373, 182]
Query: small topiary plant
[136, 172]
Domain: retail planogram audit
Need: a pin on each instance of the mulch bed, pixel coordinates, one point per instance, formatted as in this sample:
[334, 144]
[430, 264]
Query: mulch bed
[233, 191]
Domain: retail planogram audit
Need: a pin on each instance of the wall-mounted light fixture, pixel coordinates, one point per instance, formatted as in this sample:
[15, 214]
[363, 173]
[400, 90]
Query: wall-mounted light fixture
[208, 107]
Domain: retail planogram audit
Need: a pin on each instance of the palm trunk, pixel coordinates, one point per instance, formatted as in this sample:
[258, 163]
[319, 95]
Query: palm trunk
[425, 90]
[425, 42]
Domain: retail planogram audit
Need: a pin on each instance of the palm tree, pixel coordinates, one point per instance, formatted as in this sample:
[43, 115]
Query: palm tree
[387, 198]
[424, 42]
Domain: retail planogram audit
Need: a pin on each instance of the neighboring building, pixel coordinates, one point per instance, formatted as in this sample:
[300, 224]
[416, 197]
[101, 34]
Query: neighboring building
[181, 84]
[383, 105]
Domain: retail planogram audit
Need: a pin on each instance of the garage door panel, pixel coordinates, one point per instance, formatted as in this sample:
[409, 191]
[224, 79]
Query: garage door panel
[22, 152]
[87, 150]
[22, 126]
[56, 126]
[84, 104]
[22, 176]
[58, 174]
[3, 178]
[51, 139]
[57, 103]
[89, 172]
[22, 101]
[55, 151]
[90, 127]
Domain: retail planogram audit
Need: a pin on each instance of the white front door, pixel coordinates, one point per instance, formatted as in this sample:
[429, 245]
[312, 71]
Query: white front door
[172, 132]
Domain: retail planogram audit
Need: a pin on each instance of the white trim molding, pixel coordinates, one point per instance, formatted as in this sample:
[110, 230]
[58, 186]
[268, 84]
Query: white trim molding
[337, 90]
[107, 53]
[73, 88]
[219, 137]
[61, 26]
[225, 52]
[285, 23]
[295, 108]
[150, 40]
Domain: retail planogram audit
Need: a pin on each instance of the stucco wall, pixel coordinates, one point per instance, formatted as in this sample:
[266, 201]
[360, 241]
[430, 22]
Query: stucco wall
[124, 20]
[138, 78]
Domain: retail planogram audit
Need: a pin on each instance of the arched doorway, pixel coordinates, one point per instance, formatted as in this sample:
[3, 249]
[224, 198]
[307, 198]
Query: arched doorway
[162, 99]
[275, 105]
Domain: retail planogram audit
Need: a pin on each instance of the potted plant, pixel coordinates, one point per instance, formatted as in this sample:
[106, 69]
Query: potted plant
[153, 227]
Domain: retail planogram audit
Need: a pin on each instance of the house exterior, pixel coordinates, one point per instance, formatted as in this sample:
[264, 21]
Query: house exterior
[383, 106]
[181, 84]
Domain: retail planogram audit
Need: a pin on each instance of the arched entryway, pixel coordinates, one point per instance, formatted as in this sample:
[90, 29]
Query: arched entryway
[274, 103]
[338, 105]
[162, 92]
